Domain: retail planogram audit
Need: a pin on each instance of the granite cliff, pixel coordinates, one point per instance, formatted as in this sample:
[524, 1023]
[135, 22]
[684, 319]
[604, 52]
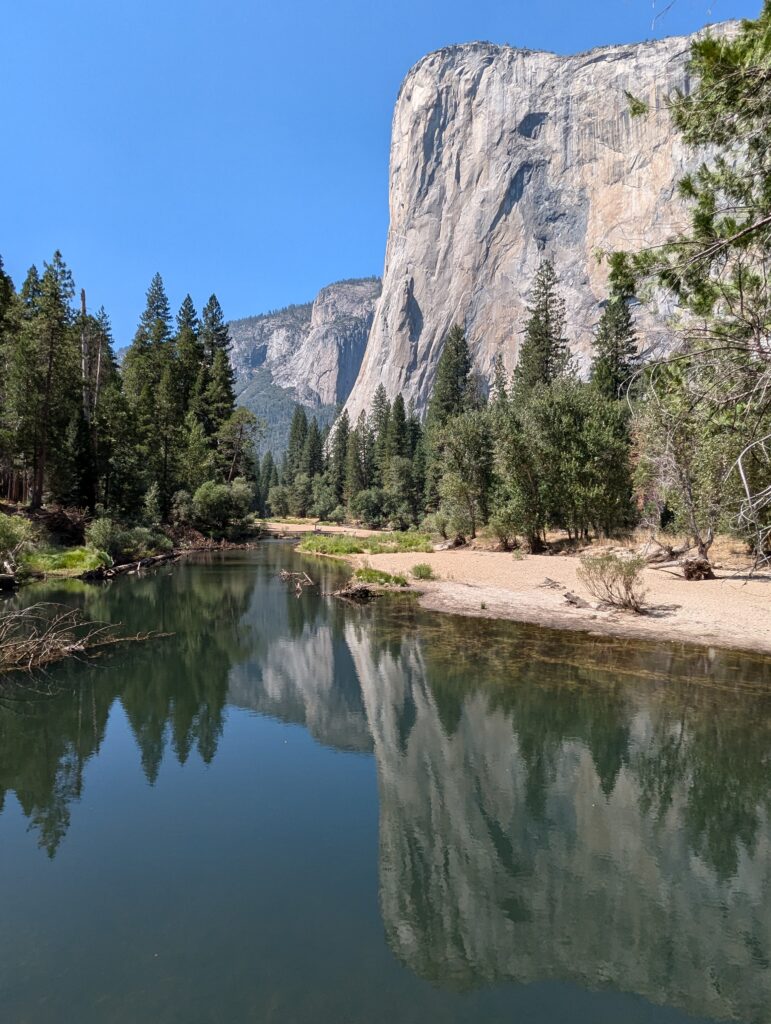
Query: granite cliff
[308, 353]
[501, 157]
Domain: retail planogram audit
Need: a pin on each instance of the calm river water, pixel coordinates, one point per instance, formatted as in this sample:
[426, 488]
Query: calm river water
[294, 810]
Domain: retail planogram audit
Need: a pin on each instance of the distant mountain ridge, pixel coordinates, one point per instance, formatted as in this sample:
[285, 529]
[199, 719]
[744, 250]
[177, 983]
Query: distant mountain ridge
[309, 353]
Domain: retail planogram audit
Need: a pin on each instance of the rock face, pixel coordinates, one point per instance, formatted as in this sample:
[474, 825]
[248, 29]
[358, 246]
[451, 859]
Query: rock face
[501, 157]
[309, 354]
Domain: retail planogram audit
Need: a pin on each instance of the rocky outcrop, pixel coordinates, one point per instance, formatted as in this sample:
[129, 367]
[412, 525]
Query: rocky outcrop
[308, 354]
[501, 157]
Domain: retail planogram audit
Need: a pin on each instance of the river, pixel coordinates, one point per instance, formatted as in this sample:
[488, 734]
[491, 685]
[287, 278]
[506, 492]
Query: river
[298, 810]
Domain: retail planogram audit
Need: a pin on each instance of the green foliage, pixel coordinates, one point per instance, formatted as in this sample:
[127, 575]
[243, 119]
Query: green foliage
[65, 561]
[342, 544]
[220, 510]
[324, 544]
[436, 523]
[544, 355]
[380, 578]
[423, 571]
[367, 507]
[15, 534]
[614, 580]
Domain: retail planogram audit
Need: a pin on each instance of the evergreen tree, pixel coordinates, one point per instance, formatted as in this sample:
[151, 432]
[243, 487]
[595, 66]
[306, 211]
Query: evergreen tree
[298, 431]
[214, 336]
[379, 420]
[615, 349]
[354, 477]
[398, 433]
[338, 453]
[453, 379]
[544, 355]
[312, 459]
[190, 353]
[218, 400]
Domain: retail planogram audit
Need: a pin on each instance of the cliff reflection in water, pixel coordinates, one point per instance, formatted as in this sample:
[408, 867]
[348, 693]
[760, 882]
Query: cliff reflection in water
[550, 807]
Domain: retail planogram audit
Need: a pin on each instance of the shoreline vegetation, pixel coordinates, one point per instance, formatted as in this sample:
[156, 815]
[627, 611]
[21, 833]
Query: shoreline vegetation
[730, 611]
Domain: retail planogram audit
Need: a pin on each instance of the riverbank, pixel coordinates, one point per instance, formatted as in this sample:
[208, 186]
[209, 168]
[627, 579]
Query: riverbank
[732, 611]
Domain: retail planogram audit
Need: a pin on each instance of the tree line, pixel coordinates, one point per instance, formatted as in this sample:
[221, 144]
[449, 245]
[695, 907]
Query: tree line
[145, 440]
[542, 449]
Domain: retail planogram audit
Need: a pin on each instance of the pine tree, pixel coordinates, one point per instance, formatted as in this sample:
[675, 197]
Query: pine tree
[453, 378]
[379, 418]
[214, 336]
[339, 449]
[312, 459]
[190, 352]
[615, 349]
[354, 478]
[298, 431]
[544, 355]
[452, 395]
[218, 400]
[46, 369]
[146, 357]
[398, 439]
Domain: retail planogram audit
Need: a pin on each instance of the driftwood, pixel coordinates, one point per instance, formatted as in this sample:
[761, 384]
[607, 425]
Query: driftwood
[128, 568]
[43, 633]
[357, 593]
[299, 580]
[698, 569]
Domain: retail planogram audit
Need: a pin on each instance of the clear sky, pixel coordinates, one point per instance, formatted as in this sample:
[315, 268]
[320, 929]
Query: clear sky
[237, 146]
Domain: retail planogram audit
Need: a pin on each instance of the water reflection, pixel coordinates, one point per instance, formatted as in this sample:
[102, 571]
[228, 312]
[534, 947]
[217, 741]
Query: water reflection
[550, 807]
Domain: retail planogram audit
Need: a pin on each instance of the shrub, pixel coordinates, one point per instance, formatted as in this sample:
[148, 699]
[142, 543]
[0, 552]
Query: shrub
[614, 580]
[435, 522]
[182, 509]
[15, 533]
[104, 534]
[214, 505]
[377, 576]
[503, 525]
[337, 515]
[151, 506]
[278, 501]
[423, 571]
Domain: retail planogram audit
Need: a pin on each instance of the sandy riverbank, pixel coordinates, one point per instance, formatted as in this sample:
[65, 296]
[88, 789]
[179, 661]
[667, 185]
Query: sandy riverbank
[731, 611]
[726, 612]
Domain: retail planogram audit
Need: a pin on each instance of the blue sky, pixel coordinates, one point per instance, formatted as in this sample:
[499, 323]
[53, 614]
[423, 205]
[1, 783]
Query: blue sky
[237, 146]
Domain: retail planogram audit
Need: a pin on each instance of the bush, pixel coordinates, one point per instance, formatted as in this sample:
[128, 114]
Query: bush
[15, 533]
[151, 506]
[423, 571]
[377, 576]
[435, 522]
[503, 525]
[105, 534]
[614, 580]
[182, 509]
[337, 515]
[278, 501]
[219, 509]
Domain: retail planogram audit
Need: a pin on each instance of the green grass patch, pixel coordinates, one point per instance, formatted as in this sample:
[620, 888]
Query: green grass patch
[377, 576]
[380, 544]
[339, 544]
[423, 571]
[65, 561]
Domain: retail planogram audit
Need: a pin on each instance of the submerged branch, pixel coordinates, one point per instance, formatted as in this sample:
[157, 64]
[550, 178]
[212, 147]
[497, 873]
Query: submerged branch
[44, 633]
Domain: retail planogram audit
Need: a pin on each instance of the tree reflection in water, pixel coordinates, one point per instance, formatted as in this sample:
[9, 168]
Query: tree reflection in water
[550, 806]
